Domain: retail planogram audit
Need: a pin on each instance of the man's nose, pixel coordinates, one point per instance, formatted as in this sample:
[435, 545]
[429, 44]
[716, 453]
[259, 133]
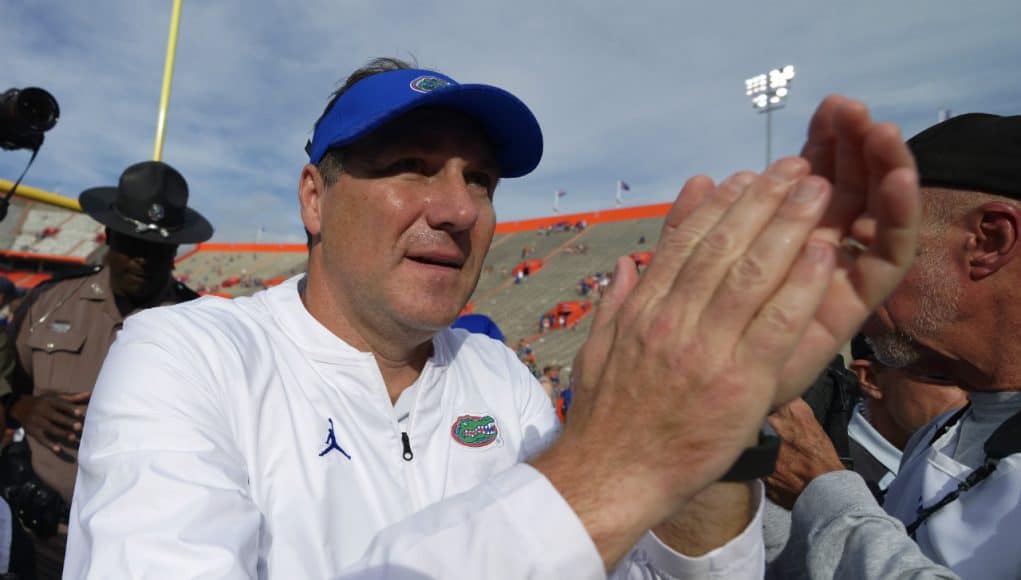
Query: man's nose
[452, 204]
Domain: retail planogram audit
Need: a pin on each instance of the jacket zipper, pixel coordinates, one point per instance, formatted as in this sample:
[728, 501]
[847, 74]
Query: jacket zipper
[406, 441]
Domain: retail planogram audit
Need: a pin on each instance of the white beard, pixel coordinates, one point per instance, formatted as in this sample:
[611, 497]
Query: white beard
[938, 302]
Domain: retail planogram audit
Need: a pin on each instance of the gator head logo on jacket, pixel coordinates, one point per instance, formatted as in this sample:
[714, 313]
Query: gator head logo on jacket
[474, 430]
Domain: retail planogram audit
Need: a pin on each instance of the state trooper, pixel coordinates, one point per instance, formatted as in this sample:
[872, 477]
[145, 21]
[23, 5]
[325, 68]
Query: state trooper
[63, 330]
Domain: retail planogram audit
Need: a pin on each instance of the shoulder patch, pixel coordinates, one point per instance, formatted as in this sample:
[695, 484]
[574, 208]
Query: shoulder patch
[474, 430]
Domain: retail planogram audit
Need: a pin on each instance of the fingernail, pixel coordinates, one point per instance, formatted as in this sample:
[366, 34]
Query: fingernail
[741, 181]
[806, 190]
[78, 426]
[787, 169]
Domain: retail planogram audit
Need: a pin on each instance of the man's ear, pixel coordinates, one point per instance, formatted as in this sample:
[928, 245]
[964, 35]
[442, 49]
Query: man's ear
[311, 191]
[995, 243]
[865, 370]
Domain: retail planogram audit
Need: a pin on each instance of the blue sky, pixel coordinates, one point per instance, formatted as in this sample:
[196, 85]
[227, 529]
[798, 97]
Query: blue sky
[648, 92]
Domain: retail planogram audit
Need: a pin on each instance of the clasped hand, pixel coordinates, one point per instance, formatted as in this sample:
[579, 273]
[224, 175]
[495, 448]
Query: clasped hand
[748, 297]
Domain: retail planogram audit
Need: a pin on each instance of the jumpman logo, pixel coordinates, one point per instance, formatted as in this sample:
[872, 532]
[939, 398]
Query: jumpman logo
[331, 443]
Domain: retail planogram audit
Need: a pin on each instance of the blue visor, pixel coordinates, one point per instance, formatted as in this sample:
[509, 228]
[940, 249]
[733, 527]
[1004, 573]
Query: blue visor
[372, 101]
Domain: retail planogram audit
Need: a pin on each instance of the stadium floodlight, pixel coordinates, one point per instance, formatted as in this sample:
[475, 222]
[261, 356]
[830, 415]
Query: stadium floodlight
[769, 93]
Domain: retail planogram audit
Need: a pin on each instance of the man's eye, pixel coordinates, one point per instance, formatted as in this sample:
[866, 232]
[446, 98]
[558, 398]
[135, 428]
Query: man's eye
[407, 165]
[479, 178]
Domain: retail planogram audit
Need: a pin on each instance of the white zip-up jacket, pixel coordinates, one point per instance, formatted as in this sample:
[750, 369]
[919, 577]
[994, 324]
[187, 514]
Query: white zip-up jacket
[242, 439]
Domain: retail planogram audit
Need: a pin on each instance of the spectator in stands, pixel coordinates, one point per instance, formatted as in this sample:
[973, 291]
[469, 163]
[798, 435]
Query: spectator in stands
[545, 323]
[553, 372]
[550, 380]
[527, 356]
[273, 429]
[955, 320]
[562, 402]
[64, 328]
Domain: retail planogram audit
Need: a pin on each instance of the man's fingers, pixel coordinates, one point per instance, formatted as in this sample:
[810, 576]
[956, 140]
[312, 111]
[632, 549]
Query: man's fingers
[601, 335]
[783, 416]
[61, 421]
[897, 208]
[79, 397]
[778, 419]
[625, 277]
[757, 274]
[874, 273]
[884, 152]
[781, 322]
[66, 408]
[850, 176]
[820, 147]
[684, 226]
[55, 436]
[726, 243]
[883, 217]
[867, 281]
[690, 196]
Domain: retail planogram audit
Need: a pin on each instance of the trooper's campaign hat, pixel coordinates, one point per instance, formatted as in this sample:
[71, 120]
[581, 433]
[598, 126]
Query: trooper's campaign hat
[149, 203]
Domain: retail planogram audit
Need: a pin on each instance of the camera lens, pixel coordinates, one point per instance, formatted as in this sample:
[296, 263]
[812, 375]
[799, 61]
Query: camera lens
[37, 109]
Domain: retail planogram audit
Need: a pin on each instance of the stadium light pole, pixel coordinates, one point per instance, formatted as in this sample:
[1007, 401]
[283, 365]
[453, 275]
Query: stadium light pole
[769, 93]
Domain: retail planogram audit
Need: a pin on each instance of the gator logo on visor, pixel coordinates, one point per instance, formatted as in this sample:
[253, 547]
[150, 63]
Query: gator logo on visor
[474, 431]
[428, 84]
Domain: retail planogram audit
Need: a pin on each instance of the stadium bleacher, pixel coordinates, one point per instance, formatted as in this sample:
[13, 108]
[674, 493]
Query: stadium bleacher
[34, 228]
[517, 308]
[239, 269]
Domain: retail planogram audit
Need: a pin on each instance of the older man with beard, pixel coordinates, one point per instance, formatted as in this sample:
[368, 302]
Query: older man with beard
[956, 319]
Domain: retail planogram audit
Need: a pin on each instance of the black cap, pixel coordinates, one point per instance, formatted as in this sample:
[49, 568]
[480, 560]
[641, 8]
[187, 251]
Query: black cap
[149, 203]
[976, 152]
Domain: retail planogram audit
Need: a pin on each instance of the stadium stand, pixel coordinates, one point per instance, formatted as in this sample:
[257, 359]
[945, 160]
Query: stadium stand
[239, 269]
[38, 240]
[37, 228]
[518, 308]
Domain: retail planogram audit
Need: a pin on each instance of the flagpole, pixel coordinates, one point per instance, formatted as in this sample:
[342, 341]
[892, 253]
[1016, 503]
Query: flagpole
[556, 201]
[168, 77]
[617, 198]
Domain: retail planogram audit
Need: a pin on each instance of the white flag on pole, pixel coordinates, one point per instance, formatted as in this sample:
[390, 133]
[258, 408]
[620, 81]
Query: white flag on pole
[622, 186]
